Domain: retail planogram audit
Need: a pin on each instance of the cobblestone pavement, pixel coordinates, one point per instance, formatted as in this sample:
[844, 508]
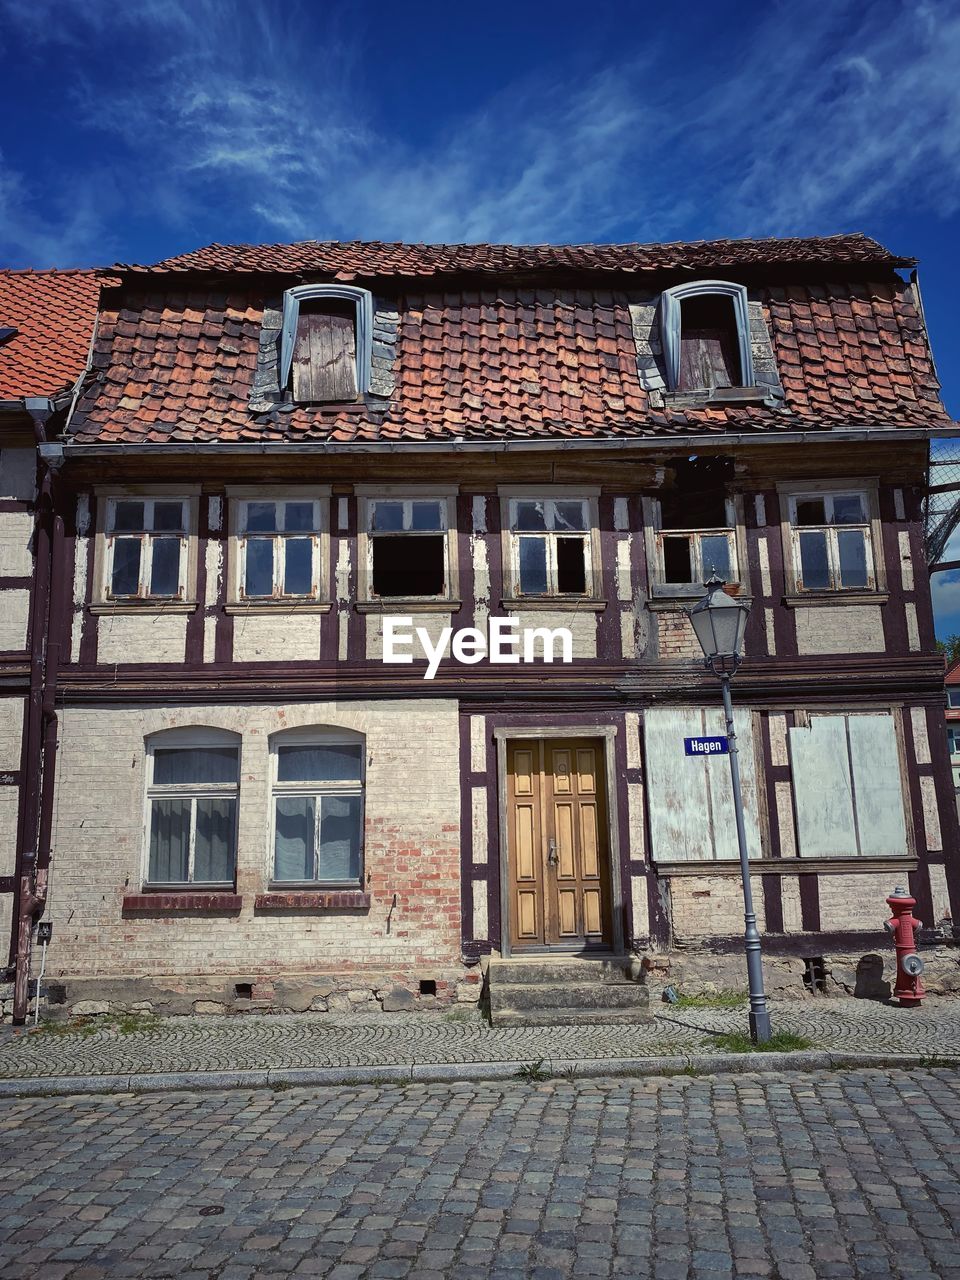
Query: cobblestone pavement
[255, 1041]
[846, 1175]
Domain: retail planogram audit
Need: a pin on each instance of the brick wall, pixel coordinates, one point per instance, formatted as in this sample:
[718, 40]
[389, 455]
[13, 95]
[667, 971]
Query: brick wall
[676, 636]
[411, 857]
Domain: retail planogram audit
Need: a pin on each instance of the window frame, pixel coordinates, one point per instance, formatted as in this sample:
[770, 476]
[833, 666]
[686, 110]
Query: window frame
[315, 736]
[196, 738]
[867, 491]
[953, 689]
[367, 497]
[953, 735]
[106, 499]
[320, 602]
[362, 300]
[510, 547]
[671, 322]
[654, 533]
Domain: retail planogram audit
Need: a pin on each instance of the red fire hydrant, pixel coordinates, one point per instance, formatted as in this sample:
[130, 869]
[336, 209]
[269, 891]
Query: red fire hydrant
[909, 989]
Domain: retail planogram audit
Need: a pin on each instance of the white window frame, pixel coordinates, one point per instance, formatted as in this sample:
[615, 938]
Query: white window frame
[196, 738]
[368, 496]
[315, 737]
[510, 539]
[870, 527]
[319, 601]
[107, 498]
[953, 739]
[671, 308]
[953, 692]
[654, 534]
[362, 300]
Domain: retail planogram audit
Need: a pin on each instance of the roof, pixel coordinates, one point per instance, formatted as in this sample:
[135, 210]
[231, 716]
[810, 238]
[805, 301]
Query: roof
[368, 259]
[178, 364]
[53, 313]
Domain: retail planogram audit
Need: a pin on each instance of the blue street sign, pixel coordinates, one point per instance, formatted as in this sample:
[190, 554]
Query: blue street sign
[717, 746]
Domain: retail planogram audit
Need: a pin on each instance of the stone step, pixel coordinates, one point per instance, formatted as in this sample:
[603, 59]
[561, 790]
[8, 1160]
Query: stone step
[532, 972]
[568, 995]
[569, 1017]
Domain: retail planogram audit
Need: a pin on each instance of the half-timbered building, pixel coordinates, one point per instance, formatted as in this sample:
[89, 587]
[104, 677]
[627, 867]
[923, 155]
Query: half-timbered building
[307, 493]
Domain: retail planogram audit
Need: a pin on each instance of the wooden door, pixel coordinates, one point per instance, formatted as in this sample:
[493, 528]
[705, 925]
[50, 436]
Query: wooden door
[559, 863]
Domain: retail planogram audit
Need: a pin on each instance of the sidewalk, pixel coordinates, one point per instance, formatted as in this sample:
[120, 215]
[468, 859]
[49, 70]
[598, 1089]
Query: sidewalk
[318, 1048]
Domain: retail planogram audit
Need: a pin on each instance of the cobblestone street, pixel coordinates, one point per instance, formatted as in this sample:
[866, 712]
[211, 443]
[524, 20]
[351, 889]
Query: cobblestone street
[791, 1177]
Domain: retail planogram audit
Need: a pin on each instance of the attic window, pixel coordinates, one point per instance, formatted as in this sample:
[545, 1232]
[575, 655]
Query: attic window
[706, 337]
[6, 333]
[325, 342]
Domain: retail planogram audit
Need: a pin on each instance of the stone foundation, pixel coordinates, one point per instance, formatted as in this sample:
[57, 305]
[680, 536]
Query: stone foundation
[867, 975]
[357, 992]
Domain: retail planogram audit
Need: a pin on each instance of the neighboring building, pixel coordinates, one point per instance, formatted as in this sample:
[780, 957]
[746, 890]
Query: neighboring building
[46, 327]
[280, 449]
[952, 682]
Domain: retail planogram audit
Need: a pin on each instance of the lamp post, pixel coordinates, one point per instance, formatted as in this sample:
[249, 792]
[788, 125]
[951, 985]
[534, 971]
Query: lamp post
[719, 622]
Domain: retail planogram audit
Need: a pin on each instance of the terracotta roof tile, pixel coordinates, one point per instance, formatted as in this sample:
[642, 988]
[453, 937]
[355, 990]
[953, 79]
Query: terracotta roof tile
[54, 314]
[369, 259]
[498, 364]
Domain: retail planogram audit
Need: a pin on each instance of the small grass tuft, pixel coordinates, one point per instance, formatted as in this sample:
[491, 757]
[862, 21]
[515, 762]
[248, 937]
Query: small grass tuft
[533, 1072]
[463, 1013]
[779, 1042]
[717, 1000]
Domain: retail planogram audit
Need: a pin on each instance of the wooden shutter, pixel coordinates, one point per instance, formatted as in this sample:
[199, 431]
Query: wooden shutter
[877, 786]
[691, 797]
[823, 789]
[325, 353]
[709, 346]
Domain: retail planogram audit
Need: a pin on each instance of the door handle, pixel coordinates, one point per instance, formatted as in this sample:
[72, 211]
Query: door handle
[552, 857]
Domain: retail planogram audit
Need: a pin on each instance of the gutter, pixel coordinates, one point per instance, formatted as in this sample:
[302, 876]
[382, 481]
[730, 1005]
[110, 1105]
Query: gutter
[460, 445]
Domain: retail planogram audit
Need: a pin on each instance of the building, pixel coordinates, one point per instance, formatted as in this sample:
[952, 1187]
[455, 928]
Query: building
[952, 682]
[292, 473]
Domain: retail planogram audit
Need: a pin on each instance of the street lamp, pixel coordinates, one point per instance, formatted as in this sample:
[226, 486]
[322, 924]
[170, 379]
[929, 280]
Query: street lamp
[719, 622]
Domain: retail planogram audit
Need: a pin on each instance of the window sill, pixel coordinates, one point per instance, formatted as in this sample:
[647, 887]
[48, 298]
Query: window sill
[312, 900]
[554, 604]
[789, 866]
[719, 395]
[278, 606]
[143, 606]
[673, 602]
[809, 599]
[181, 900]
[413, 604]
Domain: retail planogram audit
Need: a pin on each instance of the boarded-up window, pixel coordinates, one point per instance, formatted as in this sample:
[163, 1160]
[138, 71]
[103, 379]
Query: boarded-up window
[709, 345]
[325, 352]
[690, 798]
[847, 787]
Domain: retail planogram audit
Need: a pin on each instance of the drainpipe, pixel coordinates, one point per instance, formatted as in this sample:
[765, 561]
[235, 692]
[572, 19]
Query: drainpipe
[34, 827]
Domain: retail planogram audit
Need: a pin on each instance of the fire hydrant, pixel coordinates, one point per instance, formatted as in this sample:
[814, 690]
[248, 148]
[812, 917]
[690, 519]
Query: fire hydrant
[909, 989]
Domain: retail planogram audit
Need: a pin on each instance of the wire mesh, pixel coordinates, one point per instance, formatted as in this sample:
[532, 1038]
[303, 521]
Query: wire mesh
[942, 509]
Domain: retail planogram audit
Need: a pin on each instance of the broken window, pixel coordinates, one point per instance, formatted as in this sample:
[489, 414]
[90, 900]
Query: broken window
[953, 738]
[696, 525]
[407, 540]
[709, 357]
[832, 547]
[318, 811]
[326, 343]
[551, 546]
[146, 548]
[279, 546]
[192, 812]
[705, 328]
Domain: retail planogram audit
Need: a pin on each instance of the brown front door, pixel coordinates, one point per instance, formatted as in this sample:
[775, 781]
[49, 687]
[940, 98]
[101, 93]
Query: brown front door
[558, 844]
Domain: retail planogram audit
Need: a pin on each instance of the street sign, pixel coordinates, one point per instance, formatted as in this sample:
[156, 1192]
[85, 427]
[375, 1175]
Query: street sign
[716, 746]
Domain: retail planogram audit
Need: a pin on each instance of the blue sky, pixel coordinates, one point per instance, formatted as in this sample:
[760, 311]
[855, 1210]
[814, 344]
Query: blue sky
[135, 129]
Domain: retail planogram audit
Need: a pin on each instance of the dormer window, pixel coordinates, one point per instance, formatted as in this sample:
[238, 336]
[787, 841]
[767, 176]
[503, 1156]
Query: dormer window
[706, 337]
[325, 343]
